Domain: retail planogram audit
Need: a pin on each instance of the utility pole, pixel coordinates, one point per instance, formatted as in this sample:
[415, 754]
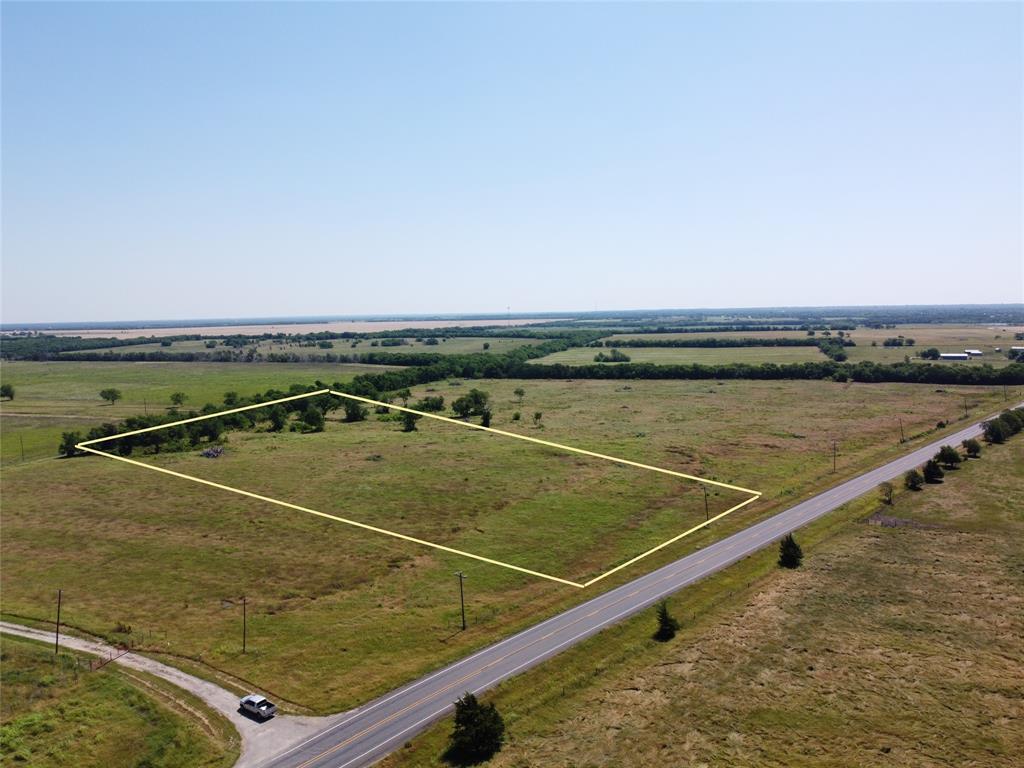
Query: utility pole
[903, 437]
[145, 406]
[462, 598]
[243, 623]
[965, 406]
[56, 640]
[22, 441]
[833, 457]
[707, 515]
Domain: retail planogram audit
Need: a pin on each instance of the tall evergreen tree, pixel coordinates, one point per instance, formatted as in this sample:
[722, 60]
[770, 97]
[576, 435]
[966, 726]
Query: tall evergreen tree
[790, 554]
[667, 626]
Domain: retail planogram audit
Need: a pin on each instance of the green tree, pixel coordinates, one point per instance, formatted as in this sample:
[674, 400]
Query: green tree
[913, 480]
[949, 457]
[479, 732]
[1012, 421]
[178, 398]
[313, 417]
[403, 395]
[517, 416]
[473, 403]
[68, 441]
[886, 490]
[973, 447]
[231, 399]
[790, 554]
[354, 411]
[933, 472]
[485, 418]
[409, 421]
[995, 432]
[112, 395]
[520, 393]
[7, 390]
[537, 416]
[278, 418]
[667, 626]
[930, 354]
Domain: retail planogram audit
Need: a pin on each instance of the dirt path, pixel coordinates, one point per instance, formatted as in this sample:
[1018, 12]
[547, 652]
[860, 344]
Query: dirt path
[260, 741]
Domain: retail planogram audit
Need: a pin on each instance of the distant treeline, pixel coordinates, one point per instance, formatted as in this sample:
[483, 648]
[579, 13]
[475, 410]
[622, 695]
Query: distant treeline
[517, 367]
[192, 435]
[49, 347]
[713, 342]
[42, 347]
[420, 359]
[788, 317]
[747, 327]
[425, 367]
[835, 371]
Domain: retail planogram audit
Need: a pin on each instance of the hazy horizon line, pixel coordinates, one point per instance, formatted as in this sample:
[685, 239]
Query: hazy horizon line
[462, 316]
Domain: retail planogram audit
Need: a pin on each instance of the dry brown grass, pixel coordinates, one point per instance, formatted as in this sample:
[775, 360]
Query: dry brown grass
[892, 647]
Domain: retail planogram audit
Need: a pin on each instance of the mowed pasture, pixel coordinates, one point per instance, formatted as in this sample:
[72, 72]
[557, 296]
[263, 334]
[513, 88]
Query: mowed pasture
[338, 614]
[51, 398]
[890, 646]
[689, 355]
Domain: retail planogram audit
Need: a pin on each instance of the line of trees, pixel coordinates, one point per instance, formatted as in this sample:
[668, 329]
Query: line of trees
[182, 437]
[996, 430]
[615, 356]
[865, 371]
[1004, 426]
[716, 342]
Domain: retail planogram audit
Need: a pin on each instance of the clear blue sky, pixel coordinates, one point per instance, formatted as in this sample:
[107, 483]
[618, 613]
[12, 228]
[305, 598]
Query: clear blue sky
[194, 160]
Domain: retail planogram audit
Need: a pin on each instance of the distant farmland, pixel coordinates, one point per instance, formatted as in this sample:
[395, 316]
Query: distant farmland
[683, 355]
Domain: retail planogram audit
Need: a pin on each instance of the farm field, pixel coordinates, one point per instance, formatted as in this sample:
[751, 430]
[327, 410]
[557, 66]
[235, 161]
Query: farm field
[51, 398]
[454, 345]
[891, 646]
[946, 338]
[58, 713]
[687, 355]
[711, 335]
[337, 614]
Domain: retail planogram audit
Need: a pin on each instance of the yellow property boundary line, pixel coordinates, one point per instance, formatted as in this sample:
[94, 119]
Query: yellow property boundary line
[754, 495]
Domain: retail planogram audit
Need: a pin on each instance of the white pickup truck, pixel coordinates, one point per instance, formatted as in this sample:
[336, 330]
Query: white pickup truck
[258, 706]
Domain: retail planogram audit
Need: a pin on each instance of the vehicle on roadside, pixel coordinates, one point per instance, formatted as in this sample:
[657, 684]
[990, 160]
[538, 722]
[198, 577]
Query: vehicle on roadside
[258, 706]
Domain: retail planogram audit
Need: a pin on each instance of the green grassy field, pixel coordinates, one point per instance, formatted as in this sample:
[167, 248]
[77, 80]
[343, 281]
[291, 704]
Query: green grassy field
[56, 712]
[891, 646]
[711, 335]
[945, 338]
[455, 345]
[687, 355]
[54, 397]
[337, 614]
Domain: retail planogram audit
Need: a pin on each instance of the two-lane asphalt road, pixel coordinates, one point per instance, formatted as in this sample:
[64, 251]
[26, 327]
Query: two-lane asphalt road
[383, 725]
